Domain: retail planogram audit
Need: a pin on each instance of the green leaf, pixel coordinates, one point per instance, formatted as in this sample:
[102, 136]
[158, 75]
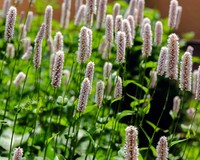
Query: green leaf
[89, 109]
[116, 99]
[177, 142]
[153, 150]
[153, 126]
[188, 36]
[138, 102]
[102, 120]
[132, 97]
[173, 114]
[137, 84]
[149, 64]
[147, 108]
[124, 114]
[52, 137]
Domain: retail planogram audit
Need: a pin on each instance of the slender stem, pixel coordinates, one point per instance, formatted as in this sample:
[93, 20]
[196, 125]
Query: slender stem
[50, 121]
[76, 136]
[179, 114]
[165, 105]
[96, 118]
[191, 125]
[18, 110]
[15, 120]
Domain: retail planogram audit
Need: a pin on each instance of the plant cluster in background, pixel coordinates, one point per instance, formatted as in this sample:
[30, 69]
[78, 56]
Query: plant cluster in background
[113, 83]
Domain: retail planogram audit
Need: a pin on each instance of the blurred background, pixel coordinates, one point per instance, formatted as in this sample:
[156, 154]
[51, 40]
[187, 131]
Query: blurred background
[189, 19]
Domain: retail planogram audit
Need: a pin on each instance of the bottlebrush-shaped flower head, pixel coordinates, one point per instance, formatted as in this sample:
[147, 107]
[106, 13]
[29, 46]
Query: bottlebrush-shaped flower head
[161, 67]
[132, 25]
[132, 6]
[101, 13]
[66, 74]
[65, 13]
[90, 43]
[78, 5]
[118, 23]
[6, 5]
[38, 47]
[118, 87]
[197, 97]
[127, 30]
[18, 153]
[116, 11]
[10, 50]
[29, 20]
[109, 28]
[89, 73]
[147, 41]
[131, 147]
[140, 11]
[40, 34]
[48, 20]
[158, 33]
[172, 57]
[162, 149]
[107, 69]
[190, 49]
[176, 104]
[19, 78]
[186, 72]
[57, 69]
[99, 93]
[83, 97]
[27, 54]
[22, 31]
[79, 15]
[58, 42]
[10, 23]
[172, 13]
[144, 22]
[83, 45]
[153, 78]
[178, 16]
[121, 46]
[194, 81]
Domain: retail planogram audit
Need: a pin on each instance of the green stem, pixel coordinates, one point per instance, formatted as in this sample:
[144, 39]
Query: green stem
[191, 125]
[179, 114]
[164, 108]
[76, 136]
[49, 127]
